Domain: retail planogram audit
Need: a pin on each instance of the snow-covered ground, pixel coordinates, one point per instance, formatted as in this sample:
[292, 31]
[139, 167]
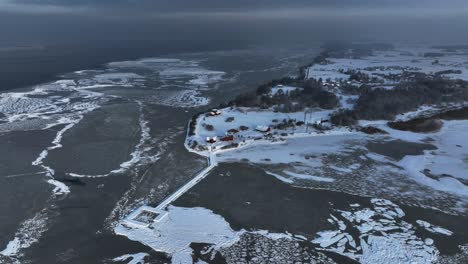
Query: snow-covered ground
[452, 151]
[327, 159]
[402, 58]
[283, 89]
[246, 123]
[298, 150]
[448, 163]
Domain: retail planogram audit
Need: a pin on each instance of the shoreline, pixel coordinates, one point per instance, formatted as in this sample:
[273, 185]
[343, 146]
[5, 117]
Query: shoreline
[210, 154]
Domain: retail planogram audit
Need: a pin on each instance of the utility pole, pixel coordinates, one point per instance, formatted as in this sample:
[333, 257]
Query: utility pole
[305, 118]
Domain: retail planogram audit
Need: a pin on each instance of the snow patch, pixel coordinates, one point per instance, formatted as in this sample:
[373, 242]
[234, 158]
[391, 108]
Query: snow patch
[179, 228]
[137, 258]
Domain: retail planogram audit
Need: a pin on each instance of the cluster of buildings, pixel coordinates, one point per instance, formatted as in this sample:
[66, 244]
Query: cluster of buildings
[337, 83]
[230, 135]
[331, 83]
[227, 138]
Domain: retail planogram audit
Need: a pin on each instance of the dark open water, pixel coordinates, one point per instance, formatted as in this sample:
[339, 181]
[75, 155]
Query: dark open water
[77, 227]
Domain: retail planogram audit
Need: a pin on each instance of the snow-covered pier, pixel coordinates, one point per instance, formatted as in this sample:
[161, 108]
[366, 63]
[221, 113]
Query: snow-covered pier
[160, 211]
[135, 219]
[200, 176]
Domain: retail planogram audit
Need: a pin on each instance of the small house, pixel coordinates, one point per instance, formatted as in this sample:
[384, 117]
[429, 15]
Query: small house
[232, 131]
[211, 140]
[215, 112]
[227, 138]
[263, 129]
[322, 121]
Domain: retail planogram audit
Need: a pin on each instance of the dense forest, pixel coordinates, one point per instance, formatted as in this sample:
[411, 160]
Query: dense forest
[408, 96]
[311, 93]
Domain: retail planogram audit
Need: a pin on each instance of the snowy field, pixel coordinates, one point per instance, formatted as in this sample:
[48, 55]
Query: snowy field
[447, 164]
[248, 126]
[388, 62]
[338, 159]
[332, 155]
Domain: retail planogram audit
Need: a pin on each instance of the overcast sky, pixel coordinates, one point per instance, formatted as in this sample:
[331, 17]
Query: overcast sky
[394, 20]
[259, 8]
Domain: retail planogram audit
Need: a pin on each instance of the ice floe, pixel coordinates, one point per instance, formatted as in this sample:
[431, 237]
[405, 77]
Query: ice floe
[137, 258]
[434, 229]
[180, 82]
[383, 237]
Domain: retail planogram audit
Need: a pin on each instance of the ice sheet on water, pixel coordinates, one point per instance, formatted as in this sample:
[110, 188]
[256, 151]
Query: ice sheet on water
[383, 236]
[182, 226]
[179, 228]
